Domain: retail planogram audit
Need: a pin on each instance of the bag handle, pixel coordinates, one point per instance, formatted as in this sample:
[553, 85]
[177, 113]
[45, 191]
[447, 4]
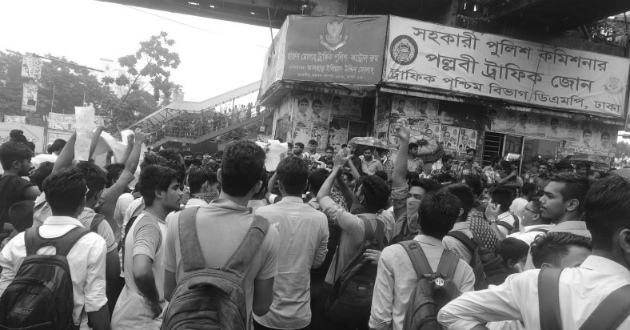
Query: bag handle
[611, 312]
[418, 259]
[192, 256]
[549, 298]
[241, 259]
[464, 239]
[448, 264]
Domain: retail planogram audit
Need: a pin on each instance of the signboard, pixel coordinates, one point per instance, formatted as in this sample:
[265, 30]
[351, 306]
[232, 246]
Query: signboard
[274, 60]
[335, 49]
[61, 121]
[85, 127]
[54, 135]
[15, 119]
[32, 133]
[31, 67]
[29, 97]
[435, 56]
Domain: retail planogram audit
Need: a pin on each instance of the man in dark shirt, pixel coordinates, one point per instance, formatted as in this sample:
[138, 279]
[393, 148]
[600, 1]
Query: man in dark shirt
[16, 162]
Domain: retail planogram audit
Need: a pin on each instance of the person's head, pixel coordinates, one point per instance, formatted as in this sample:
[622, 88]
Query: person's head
[292, 176]
[197, 177]
[513, 252]
[428, 133]
[113, 173]
[290, 146]
[347, 178]
[241, 168]
[152, 159]
[317, 106]
[160, 187]
[95, 180]
[413, 149]
[401, 103]
[564, 197]
[473, 181]
[16, 157]
[445, 179]
[303, 105]
[312, 146]
[382, 175]
[503, 197]
[543, 168]
[586, 136]
[41, 173]
[298, 148]
[65, 192]
[555, 124]
[466, 199]
[171, 155]
[21, 215]
[605, 139]
[423, 106]
[336, 101]
[373, 193]
[532, 215]
[330, 152]
[316, 179]
[17, 136]
[447, 161]
[583, 169]
[560, 250]
[528, 189]
[564, 167]
[495, 160]
[368, 154]
[506, 165]
[470, 154]
[446, 136]
[437, 213]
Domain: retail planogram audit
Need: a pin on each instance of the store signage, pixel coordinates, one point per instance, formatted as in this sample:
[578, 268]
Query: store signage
[435, 56]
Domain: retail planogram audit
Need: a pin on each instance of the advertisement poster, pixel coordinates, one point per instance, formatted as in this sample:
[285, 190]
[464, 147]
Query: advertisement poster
[346, 107]
[334, 49]
[61, 121]
[449, 135]
[31, 67]
[467, 139]
[468, 62]
[29, 97]
[309, 108]
[319, 133]
[301, 133]
[338, 132]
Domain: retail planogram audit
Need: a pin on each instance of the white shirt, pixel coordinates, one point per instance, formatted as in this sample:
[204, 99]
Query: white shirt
[196, 202]
[86, 261]
[529, 233]
[506, 220]
[581, 290]
[518, 206]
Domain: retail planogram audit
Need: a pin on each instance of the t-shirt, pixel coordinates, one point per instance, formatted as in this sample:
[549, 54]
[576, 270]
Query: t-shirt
[222, 226]
[11, 191]
[107, 202]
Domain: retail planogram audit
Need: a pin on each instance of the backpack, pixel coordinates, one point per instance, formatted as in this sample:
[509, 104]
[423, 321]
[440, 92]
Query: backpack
[487, 266]
[350, 298]
[608, 315]
[433, 290]
[41, 295]
[96, 221]
[207, 298]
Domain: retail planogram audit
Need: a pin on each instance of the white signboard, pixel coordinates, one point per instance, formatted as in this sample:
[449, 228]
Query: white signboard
[61, 122]
[32, 133]
[29, 97]
[85, 129]
[31, 67]
[54, 135]
[464, 61]
[15, 119]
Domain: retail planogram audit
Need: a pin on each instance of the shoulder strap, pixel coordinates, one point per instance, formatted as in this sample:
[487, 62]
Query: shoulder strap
[470, 244]
[448, 264]
[418, 259]
[192, 256]
[63, 244]
[239, 261]
[96, 221]
[611, 312]
[129, 224]
[377, 233]
[549, 298]
[369, 229]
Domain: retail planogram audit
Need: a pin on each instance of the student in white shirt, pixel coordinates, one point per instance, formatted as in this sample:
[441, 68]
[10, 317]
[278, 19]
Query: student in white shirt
[466, 199]
[65, 193]
[518, 205]
[533, 224]
[498, 212]
[581, 289]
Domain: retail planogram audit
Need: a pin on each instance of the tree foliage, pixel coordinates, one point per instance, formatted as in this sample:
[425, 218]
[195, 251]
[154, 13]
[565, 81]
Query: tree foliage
[622, 150]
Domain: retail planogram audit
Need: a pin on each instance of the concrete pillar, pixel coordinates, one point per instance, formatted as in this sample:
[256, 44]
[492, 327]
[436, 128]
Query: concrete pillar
[330, 7]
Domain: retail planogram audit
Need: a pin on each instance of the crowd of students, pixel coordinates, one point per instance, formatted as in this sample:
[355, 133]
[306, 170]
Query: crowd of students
[328, 241]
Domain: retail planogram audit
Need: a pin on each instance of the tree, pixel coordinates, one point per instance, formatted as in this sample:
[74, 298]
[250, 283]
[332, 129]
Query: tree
[622, 149]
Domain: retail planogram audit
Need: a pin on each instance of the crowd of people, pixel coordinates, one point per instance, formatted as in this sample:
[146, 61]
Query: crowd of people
[345, 240]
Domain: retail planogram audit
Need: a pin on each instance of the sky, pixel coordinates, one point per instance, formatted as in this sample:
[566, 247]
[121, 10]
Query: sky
[216, 56]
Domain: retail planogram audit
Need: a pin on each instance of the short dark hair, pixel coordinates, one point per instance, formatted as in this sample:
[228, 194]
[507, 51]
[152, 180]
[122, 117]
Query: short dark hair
[290, 145]
[313, 142]
[243, 162]
[316, 179]
[575, 187]
[473, 181]
[155, 177]
[95, 177]
[528, 187]
[446, 158]
[503, 197]
[329, 148]
[17, 136]
[344, 145]
[549, 248]
[382, 175]
[437, 213]
[506, 165]
[196, 178]
[293, 174]
[427, 184]
[56, 146]
[113, 173]
[561, 166]
[471, 149]
[464, 194]
[376, 193]
[152, 159]
[212, 177]
[170, 154]
[413, 145]
[41, 173]
[411, 175]
[587, 131]
[11, 152]
[444, 178]
[264, 177]
[21, 215]
[300, 144]
[511, 249]
[606, 207]
[65, 190]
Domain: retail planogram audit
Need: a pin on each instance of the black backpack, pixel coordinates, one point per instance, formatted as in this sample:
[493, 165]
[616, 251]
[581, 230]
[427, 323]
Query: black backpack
[41, 295]
[350, 298]
[487, 266]
[207, 298]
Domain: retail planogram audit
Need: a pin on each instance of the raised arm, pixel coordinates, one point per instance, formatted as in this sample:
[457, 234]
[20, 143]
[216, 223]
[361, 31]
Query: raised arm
[399, 176]
[66, 156]
[272, 182]
[95, 137]
[132, 163]
[130, 144]
[354, 171]
[338, 163]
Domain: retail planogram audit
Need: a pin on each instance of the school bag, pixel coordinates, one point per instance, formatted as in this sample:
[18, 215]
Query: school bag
[608, 315]
[350, 298]
[208, 298]
[433, 290]
[41, 295]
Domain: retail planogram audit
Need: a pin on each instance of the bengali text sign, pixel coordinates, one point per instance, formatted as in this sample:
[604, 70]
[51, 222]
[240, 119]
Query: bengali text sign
[436, 56]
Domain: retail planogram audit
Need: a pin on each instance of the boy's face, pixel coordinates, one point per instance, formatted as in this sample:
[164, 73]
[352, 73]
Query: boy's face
[312, 147]
[317, 108]
[587, 137]
[329, 154]
[303, 106]
[25, 167]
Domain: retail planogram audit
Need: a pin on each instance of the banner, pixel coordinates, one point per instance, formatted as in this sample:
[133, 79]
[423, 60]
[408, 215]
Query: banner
[335, 49]
[61, 121]
[32, 133]
[274, 60]
[31, 67]
[15, 119]
[29, 97]
[464, 61]
[85, 128]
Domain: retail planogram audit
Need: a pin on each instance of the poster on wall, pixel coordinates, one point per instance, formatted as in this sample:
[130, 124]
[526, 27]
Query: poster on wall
[32, 133]
[310, 108]
[467, 139]
[301, 133]
[29, 97]
[449, 135]
[319, 133]
[338, 132]
[346, 107]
